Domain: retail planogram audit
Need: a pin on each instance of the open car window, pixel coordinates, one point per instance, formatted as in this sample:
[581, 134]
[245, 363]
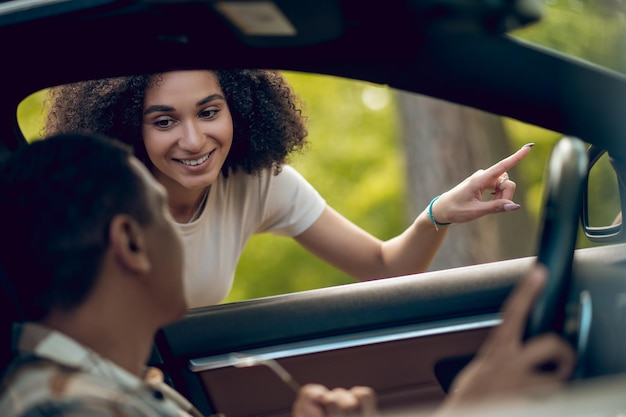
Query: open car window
[378, 156]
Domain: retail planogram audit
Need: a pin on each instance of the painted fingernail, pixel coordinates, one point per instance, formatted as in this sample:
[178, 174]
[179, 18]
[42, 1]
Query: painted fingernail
[511, 207]
[528, 145]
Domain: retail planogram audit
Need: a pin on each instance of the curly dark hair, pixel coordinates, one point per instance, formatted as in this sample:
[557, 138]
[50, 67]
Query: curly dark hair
[268, 122]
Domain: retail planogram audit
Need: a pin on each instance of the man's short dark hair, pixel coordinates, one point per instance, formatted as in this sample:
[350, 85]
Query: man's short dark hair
[57, 199]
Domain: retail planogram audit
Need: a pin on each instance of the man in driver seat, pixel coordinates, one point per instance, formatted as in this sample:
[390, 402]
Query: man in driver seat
[96, 264]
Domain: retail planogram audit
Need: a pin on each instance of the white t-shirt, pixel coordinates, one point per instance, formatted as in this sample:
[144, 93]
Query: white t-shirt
[238, 207]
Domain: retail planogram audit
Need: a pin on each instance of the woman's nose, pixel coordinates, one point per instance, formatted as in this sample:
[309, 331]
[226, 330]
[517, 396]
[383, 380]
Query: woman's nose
[193, 138]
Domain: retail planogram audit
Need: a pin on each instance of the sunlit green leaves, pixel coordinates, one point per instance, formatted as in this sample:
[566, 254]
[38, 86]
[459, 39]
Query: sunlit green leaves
[30, 116]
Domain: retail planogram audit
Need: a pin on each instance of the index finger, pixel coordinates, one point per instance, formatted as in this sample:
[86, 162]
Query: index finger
[499, 168]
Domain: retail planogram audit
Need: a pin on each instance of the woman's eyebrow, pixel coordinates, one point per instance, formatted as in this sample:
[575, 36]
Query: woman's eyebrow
[164, 108]
[157, 108]
[210, 98]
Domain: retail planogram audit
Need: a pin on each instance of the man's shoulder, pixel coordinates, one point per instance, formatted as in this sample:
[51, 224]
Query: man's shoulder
[44, 388]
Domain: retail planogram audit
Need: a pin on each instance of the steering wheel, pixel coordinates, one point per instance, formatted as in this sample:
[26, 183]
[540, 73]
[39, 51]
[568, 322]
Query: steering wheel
[566, 173]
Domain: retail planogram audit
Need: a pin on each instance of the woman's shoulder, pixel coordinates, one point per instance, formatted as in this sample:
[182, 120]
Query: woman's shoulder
[267, 175]
[261, 185]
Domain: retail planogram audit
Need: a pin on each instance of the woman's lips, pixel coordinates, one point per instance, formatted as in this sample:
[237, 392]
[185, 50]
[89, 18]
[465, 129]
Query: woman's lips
[195, 162]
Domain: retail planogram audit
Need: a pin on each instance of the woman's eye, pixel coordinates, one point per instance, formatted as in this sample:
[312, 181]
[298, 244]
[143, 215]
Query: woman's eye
[209, 113]
[163, 123]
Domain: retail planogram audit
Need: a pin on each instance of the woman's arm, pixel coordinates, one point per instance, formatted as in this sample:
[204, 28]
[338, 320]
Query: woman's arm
[341, 243]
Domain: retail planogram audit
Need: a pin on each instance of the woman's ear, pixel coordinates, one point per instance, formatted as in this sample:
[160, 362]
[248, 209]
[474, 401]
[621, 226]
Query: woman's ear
[128, 243]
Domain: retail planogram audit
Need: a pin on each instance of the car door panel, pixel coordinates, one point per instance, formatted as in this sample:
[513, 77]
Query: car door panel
[406, 337]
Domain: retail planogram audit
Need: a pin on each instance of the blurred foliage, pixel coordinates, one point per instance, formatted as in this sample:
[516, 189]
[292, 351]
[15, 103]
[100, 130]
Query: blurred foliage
[355, 157]
[30, 115]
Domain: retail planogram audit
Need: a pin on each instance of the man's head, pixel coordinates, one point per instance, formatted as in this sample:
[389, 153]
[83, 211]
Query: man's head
[60, 201]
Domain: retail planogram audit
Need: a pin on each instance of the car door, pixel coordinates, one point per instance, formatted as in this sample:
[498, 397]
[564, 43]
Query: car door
[406, 337]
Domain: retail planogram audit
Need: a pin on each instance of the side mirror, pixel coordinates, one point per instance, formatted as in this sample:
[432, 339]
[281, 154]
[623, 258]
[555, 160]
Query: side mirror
[604, 198]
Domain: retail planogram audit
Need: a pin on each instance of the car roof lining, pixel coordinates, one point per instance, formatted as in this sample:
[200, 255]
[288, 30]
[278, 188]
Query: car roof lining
[434, 47]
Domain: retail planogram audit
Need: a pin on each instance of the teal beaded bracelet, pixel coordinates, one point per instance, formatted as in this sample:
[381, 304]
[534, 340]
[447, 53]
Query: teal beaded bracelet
[430, 214]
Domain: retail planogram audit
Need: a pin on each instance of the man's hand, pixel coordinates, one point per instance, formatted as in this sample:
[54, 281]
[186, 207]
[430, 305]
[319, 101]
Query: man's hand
[506, 365]
[318, 401]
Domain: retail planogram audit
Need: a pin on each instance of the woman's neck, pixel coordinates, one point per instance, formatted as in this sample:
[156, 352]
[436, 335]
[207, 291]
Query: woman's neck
[185, 203]
[188, 209]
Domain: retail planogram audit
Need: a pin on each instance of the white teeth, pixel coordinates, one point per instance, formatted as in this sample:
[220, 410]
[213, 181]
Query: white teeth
[194, 162]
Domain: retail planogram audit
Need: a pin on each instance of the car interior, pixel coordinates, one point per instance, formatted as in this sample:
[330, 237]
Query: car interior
[407, 337]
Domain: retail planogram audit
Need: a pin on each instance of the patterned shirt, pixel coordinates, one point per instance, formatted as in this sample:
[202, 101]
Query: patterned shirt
[55, 376]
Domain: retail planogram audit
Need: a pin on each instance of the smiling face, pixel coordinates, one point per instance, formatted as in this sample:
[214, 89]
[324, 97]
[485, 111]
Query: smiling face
[187, 129]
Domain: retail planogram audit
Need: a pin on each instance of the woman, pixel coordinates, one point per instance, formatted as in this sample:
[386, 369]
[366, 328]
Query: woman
[219, 142]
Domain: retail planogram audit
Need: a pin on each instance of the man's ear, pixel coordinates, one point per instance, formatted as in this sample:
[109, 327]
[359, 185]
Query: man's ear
[128, 243]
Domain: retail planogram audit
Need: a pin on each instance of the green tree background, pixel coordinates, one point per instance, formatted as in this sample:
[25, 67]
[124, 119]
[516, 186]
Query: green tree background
[355, 157]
